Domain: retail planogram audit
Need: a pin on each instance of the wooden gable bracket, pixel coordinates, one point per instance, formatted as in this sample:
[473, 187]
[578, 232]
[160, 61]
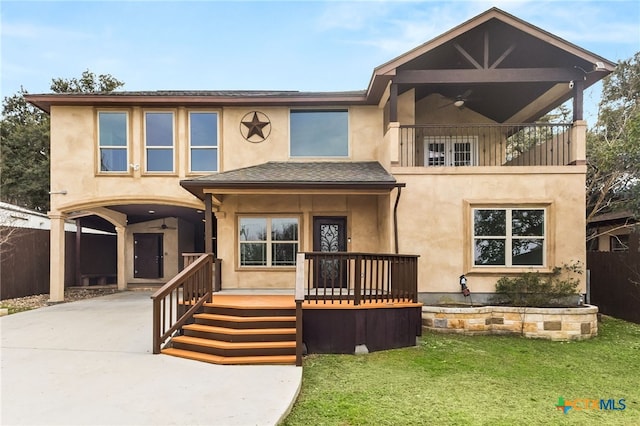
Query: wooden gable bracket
[486, 65]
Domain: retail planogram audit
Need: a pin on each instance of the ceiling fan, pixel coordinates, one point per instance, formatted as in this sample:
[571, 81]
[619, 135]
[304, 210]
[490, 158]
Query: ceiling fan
[459, 100]
[163, 226]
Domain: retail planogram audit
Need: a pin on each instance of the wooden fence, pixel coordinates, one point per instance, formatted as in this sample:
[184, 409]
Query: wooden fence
[24, 260]
[615, 281]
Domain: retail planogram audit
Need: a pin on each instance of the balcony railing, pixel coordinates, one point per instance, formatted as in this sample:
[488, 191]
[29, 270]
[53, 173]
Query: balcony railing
[358, 278]
[539, 144]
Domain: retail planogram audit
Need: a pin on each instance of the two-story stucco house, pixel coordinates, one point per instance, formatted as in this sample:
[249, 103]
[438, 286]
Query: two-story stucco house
[442, 157]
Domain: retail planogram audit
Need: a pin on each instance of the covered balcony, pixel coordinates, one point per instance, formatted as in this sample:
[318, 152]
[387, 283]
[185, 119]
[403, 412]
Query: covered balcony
[455, 145]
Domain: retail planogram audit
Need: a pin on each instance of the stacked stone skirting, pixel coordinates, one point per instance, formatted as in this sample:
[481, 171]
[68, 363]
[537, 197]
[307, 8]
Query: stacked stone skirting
[559, 324]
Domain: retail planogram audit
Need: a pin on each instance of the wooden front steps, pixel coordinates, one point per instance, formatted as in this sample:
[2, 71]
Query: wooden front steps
[240, 329]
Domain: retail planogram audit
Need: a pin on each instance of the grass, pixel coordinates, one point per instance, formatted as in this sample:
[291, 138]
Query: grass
[14, 309]
[476, 380]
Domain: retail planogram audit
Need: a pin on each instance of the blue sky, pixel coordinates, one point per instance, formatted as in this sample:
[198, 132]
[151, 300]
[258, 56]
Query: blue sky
[288, 45]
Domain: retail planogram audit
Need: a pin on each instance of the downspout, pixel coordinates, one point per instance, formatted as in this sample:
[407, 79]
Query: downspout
[395, 215]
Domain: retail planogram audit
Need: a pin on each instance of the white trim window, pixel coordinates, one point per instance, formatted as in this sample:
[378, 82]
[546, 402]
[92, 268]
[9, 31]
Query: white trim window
[159, 140]
[511, 237]
[113, 141]
[268, 241]
[203, 141]
[450, 151]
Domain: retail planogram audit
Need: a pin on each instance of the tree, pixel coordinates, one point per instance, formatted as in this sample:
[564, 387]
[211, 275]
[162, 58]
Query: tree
[24, 161]
[87, 83]
[24, 152]
[613, 146]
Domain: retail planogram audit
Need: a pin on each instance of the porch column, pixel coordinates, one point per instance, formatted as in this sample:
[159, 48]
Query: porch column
[121, 241]
[208, 224]
[56, 257]
[393, 103]
[578, 154]
[578, 100]
[392, 140]
[78, 251]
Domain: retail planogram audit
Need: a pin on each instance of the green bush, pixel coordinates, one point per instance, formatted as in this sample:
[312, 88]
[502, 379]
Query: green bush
[535, 289]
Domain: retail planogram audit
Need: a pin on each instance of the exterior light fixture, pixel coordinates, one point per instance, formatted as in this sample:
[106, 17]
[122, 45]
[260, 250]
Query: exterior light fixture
[463, 286]
[459, 103]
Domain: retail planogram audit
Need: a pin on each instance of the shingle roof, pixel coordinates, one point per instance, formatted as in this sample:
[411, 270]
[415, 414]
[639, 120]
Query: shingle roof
[298, 175]
[210, 93]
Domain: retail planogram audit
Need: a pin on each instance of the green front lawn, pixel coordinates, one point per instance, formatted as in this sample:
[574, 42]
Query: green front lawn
[486, 380]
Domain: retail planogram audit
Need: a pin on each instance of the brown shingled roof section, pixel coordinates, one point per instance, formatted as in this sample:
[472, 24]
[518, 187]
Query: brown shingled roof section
[294, 175]
[316, 172]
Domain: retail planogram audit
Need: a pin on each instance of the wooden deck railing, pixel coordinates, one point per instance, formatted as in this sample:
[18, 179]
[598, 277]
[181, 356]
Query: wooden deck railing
[356, 278]
[189, 258]
[176, 302]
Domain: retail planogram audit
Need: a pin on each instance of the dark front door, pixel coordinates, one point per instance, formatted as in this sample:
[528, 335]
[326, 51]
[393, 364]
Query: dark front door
[147, 256]
[330, 235]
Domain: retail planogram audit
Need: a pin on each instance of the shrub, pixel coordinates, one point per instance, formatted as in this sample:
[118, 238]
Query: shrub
[534, 289]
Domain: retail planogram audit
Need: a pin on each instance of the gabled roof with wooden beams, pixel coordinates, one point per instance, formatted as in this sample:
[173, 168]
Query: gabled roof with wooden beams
[499, 65]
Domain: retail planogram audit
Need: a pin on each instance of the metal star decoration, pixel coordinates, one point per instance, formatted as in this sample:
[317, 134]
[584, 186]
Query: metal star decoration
[255, 127]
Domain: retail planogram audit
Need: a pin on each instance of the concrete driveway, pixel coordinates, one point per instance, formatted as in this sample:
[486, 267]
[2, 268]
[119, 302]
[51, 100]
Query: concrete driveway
[90, 363]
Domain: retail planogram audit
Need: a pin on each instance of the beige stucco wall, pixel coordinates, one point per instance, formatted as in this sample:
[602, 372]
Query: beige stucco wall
[74, 153]
[74, 159]
[367, 230]
[74, 166]
[431, 213]
[434, 218]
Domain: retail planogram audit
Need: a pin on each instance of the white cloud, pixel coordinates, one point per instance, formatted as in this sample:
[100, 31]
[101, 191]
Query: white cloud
[350, 16]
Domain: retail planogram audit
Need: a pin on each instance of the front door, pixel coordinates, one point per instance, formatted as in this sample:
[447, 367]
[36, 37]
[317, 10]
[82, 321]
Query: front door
[330, 235]
[147, 256]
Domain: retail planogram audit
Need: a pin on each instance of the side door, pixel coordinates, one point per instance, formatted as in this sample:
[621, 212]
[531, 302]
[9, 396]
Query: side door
[148, 259]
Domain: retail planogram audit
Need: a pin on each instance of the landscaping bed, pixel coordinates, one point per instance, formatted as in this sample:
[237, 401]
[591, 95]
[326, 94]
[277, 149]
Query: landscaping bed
[557, 323]
[71, 294]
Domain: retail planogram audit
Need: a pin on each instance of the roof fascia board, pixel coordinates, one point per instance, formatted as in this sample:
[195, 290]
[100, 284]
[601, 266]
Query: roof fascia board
[502, 75]
[390, 66]
[45, 101]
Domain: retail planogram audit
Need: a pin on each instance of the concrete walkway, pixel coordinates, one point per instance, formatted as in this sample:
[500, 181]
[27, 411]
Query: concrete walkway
[90, 363]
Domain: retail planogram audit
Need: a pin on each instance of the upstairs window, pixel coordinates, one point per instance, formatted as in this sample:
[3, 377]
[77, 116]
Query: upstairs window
[158, 127]
[113, 141]
[509, 237]
[203, 141]
[319, 133]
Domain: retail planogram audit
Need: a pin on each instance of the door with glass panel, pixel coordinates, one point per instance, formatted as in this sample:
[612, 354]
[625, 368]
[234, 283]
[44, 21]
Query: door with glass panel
[329, 236]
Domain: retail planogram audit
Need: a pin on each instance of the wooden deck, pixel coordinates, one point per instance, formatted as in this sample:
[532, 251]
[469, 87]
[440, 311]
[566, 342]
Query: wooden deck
[335, 326]
[257, 301]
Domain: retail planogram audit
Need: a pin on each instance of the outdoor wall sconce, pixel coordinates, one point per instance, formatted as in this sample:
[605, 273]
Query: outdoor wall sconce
[463, 286]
